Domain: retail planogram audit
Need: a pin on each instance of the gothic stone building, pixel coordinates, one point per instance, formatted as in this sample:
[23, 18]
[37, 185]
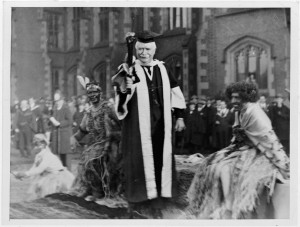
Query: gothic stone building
[206, 49]
[235, 44]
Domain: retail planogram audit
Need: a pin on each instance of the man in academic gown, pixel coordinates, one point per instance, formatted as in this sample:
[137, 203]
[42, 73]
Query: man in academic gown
[146, 116]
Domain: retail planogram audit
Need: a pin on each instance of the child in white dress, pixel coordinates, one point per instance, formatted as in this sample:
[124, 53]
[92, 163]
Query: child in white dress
[48, 174]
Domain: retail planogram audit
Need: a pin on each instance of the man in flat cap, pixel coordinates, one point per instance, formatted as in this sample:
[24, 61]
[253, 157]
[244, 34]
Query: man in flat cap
[147, 124]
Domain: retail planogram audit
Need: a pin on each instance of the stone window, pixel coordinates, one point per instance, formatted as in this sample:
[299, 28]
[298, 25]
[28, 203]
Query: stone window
[250, 58]
[203, 53]
[77, 11]
[252, 64]
[204, 78]
[203, 65]
[53, 20]
[104, 24]
[177, 19]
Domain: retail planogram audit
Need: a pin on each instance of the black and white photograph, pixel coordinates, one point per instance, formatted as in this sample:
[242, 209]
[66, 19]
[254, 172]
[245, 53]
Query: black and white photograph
[175, 113]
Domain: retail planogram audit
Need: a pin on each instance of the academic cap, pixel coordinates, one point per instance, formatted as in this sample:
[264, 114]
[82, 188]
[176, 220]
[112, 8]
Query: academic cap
[146, 36]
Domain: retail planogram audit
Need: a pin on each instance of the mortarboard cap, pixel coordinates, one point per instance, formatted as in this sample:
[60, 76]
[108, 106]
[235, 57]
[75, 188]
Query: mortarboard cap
[146, 36]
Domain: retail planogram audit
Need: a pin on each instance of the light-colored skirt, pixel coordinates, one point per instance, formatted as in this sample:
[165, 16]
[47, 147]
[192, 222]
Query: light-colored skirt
[49, 183]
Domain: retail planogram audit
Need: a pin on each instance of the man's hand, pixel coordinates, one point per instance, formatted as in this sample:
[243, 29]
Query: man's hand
[54, 121]
[179, 125]
[17, 130]
[129, 82]
[74, 143]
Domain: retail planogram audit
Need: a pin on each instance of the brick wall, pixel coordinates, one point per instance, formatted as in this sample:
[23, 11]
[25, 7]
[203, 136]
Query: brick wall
[265, 24]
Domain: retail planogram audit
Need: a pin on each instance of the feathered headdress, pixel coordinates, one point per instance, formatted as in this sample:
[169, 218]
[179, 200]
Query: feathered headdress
[83, 80]
[87, 84]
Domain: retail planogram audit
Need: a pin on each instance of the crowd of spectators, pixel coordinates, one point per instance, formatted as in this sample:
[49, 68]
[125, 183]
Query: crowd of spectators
[209, 123]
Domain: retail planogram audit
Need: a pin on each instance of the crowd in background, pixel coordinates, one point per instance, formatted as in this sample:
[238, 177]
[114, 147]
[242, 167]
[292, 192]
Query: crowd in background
[32, 116]
[209, 123]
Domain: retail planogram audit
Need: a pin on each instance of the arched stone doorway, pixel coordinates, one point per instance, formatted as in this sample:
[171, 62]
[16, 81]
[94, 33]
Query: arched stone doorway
[174, 62]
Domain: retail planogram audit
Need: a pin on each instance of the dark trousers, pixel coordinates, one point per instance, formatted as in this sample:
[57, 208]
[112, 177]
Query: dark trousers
[66, 160]
[158, 144]
[25, 142]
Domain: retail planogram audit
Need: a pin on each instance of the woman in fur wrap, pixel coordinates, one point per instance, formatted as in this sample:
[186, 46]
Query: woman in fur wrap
[229, 183]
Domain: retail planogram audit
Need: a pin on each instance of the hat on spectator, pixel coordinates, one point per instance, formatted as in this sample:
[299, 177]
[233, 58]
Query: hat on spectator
[202, 101]
[192, 102]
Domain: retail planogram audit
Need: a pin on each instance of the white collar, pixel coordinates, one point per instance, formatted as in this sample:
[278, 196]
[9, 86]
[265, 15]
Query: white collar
[152, 63]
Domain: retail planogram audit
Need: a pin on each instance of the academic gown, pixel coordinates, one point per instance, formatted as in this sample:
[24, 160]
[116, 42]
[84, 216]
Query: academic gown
[149, 164]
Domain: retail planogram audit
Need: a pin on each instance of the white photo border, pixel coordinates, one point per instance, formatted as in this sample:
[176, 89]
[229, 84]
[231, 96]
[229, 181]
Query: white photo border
[6, 6]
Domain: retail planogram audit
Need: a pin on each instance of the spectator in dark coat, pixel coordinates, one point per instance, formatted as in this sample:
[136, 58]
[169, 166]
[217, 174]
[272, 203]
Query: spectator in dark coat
[47, 112]
[61, 121]
[77, 117]
[223, 126]
[190, 121]
[211, 113]
[38, 115]
[280, 118]
[26, 128]
[263, 103]
[199, 127]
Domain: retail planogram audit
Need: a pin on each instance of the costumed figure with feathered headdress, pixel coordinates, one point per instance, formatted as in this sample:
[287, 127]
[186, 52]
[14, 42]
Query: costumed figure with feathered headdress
[100, 171]
[231, 183]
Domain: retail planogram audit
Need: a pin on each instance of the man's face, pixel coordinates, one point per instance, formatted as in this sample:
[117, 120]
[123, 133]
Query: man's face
[24, 105]
[81, 107]
[192, 106]
[208, 103]
[222, 105]
[200, 106]
[262, 99]
[56, 97]
[145, 52]
[279, 100]
[236, 101]
[94, 96]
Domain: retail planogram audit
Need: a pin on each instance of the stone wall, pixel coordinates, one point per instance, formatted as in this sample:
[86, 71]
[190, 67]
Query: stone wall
[267, 25]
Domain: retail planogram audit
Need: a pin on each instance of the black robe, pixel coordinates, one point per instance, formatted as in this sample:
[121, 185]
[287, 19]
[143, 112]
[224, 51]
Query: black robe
[133, 145]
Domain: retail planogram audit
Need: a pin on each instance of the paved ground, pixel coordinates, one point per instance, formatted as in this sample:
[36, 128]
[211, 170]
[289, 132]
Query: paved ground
[64, 206]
